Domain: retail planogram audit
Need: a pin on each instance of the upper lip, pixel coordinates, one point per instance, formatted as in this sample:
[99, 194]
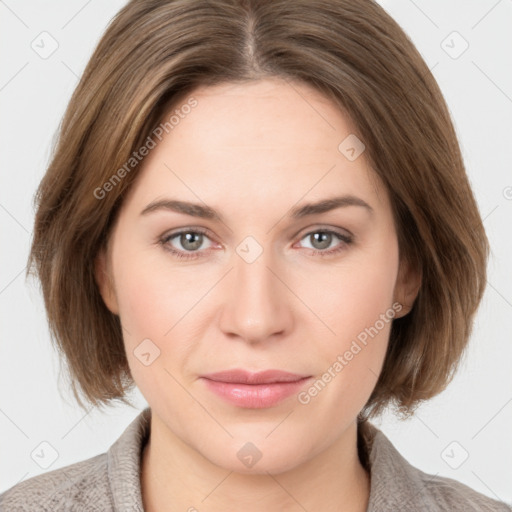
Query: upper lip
[241, 376]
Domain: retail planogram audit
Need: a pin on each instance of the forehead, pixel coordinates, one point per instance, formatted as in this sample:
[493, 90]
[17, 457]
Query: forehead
[271, 114]
[260, 143]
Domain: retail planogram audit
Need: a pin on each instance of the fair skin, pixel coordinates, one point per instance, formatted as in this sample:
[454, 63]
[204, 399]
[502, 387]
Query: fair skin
[253, 152]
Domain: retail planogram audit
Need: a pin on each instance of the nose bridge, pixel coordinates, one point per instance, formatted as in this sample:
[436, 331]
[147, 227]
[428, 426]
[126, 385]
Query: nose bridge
[256, 307]
[252, 272]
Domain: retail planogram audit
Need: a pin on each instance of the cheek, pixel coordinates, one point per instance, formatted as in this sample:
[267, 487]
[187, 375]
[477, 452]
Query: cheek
[143, 301]
[160, 303]
[356, 304]
[150, 307]
[354, 295]
[149, 302]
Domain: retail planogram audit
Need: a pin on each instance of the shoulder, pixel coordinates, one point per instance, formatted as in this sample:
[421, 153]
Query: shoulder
[79, 486]
[397, 485]
[104, 483]
[450, 494]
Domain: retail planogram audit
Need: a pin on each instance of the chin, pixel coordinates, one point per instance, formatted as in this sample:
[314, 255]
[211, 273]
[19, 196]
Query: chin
[259, 457]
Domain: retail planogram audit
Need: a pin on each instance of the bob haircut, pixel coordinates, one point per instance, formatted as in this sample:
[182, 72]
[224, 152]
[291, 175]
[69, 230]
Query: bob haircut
[152, 56]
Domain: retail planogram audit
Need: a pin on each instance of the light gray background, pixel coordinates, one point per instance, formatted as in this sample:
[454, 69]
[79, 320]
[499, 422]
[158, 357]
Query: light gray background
[475, 411]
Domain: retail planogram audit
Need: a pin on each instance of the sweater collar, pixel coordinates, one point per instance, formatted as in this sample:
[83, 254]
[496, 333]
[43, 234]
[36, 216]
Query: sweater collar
[394, 483]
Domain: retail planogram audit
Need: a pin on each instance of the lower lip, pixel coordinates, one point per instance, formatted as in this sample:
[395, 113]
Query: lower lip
[255, 396]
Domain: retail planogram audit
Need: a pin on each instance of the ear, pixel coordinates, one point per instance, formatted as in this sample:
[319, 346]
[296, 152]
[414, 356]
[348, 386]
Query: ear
[105, 282]
[407, 286]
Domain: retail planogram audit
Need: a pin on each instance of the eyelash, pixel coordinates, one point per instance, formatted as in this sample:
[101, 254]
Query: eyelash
[164, 241]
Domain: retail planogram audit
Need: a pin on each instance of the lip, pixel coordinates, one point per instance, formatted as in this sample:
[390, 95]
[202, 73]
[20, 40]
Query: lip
[241, 376]
[254, 390]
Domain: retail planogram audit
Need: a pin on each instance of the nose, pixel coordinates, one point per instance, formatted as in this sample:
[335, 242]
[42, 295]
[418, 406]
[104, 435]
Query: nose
[258, 304]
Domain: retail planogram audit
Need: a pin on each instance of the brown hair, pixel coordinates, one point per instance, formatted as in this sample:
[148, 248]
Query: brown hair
[156, 52]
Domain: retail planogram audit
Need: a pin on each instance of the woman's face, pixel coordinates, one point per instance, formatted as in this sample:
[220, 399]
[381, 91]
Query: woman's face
[245, 288]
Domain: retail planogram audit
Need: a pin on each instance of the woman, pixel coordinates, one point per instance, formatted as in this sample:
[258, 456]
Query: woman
[258, 213]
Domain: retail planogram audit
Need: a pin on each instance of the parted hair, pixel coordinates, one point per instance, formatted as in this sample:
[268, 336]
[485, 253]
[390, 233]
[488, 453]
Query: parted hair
[155, 53]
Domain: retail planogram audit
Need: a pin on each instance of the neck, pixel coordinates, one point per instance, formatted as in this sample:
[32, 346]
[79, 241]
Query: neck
[175, 477]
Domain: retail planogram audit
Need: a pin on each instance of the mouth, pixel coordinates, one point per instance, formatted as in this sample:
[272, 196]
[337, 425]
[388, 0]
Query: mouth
[241, 376]
[258, 390]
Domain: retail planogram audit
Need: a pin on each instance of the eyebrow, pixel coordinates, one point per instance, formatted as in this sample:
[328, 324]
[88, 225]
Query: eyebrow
[298, 212]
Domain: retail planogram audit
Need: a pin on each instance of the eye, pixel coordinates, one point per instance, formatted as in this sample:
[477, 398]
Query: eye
[190, 240]
[322, 239]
